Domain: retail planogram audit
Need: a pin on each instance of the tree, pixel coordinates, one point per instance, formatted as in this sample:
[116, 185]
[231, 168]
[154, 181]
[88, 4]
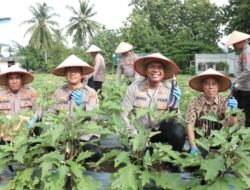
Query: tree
[81, 25]
[41, 26]
[237, 16]
[107, 40]
[176, 28]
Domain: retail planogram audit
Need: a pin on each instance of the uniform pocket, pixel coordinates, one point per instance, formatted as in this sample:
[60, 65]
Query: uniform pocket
[26, 103]
[5, 107]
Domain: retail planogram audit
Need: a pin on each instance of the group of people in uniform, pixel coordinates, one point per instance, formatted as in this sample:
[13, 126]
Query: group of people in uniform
[150, 89]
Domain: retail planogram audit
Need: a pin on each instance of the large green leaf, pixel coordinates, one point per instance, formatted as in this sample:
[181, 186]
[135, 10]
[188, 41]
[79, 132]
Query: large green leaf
[83, 155]
[122, 158]
[126, 178]
[169, 181]
[54, 156]
[219, 185]
[20, 154]
[147, 177]
[139, 142]
[109, 155]
[213, 167]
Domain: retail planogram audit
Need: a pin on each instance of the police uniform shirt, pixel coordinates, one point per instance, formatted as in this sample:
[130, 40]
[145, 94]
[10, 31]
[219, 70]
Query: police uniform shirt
[243, 69]
[126, 66]
[14, 103]
[139, 95]
[63, 101]
[99, 66]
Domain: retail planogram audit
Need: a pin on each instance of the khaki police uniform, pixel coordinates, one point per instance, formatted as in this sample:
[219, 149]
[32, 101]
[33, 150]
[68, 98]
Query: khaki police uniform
[99, 66]
[139, 95]
[243, 80]
[14, 103]
[126, 66]
[64, 101]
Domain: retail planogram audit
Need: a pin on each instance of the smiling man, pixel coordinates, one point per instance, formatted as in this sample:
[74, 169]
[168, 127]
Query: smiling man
[154, 91]
[74, 93]
[15, 97]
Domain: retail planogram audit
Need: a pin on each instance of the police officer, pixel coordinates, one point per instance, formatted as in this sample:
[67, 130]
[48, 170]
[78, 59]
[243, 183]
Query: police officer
[154, 90]
[239, 42]
[99, 66]
[126, 62]
[14, 96]
[210, 83]
[74, 93]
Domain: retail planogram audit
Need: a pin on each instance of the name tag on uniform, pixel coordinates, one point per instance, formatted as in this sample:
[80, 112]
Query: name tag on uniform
[140, 98]
[4, 101]
[162, 99]
[26, 99]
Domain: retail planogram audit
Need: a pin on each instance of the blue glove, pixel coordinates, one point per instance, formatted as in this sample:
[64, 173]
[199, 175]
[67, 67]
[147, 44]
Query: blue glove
[232, 103]
[77, 96]
[177, 94]
[31, 122]
[193, 150]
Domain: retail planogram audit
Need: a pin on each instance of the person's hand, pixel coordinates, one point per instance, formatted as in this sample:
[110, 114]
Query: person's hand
[194, 150]
[31, 122]
[232, 103]
[177, 94]
[77, 96]
[233, 86]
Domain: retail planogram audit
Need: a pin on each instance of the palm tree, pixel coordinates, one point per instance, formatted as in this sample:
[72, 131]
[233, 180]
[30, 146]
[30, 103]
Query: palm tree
[41, 26]
[81, 25]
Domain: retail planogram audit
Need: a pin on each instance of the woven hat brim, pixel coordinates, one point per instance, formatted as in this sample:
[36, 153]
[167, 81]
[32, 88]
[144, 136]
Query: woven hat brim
[123, 51]
[26, 77]
[171, 68]
[61, 71]
[196, 83]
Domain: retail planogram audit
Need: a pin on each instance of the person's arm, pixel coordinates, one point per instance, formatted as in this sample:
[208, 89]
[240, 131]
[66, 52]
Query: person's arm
[245, 74]
[231, 121]
[190, 120]
[119, 71]
[191, 135]
[97, 65]
[127, 106]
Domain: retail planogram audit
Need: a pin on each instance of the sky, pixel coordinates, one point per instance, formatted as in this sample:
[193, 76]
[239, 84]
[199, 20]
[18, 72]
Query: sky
[111, 13]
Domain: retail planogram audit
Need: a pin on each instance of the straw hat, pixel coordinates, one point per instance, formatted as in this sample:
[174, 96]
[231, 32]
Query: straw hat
[26, 76]
[171, 68]
[72, 61]
[93, 48]
[123, 47]
[196, 82]
[236, 37]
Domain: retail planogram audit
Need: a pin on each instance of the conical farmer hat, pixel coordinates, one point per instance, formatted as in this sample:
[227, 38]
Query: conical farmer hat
[123, 47]
[170, 70]
[93, 48]
[72, 61]
[26, 76]
[196, 83]
[236, 37]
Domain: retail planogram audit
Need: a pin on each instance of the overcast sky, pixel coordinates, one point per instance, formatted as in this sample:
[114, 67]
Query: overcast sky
[111, 13]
